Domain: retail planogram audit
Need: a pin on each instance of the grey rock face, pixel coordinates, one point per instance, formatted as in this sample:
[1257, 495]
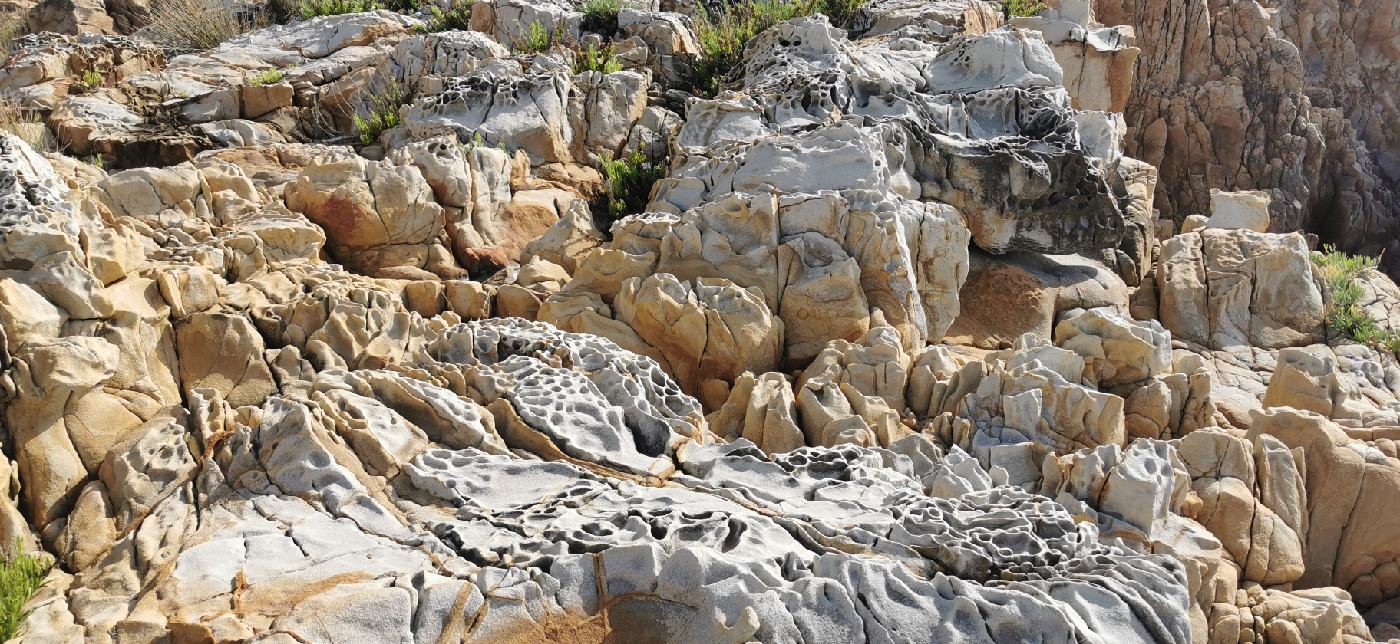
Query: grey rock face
[955, 122]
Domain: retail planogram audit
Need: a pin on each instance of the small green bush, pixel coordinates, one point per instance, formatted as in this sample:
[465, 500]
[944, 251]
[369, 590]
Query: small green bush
[841, 12]
[456, 17]
[313, 8]
[1023, 8]
[600, 16]
[477, 142]
[537, 39]
[629, 181]
[383, 114]
[596, 59]
[267, 77]
[279, 12]
[722, 38]
[93, 79]
[20, 575]
[1345, 316]
[403, 6]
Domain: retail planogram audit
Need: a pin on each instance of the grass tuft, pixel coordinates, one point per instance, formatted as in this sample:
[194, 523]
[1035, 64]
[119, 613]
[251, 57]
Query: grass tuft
[194, 25]
[12, 26]
[457, 17]
[537, 39]
[1023, 8]
[629, 181]
[267, 77]
[596, 59]
[1345, 316]
[28, 126]
[383, 114]
[20, 575]
[92, 79]
[600, 16]
[722, 38]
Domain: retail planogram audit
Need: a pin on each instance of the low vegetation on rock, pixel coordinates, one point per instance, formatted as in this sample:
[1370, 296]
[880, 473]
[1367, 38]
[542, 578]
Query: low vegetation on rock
[842, 13]
[592, 58]
[537, 39]
[456, 17]
[267, 77]
[629, 181]
[600, 16]
[381, 113]
[1346, 315]
[313, 8]
[722, 35]
[21, 573]
[1024, 8]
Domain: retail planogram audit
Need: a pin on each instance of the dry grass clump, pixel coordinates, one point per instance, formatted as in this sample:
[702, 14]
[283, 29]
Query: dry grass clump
[195, 25]
[11, 27]
[27, 126]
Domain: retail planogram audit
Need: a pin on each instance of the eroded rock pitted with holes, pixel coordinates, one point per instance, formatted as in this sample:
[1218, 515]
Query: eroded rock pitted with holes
[896, 349]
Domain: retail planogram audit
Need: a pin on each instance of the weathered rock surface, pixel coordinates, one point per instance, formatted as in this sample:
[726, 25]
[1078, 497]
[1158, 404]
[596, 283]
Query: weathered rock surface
[895, 349]
[1288, 98]
[1235, 288]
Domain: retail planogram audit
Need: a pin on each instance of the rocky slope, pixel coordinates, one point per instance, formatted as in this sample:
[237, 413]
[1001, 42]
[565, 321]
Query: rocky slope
[905, 344]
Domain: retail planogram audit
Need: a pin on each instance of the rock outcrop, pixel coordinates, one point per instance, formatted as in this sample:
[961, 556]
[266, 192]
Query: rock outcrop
[507, 323]
[1287, 98]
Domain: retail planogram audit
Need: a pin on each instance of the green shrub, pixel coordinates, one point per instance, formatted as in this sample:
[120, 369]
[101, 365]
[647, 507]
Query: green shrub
[1023, 8]
[537, 39]
[841, 12]
[477, 142]
[403, 6]
[20, 575]
[722, 38]
[93, 79]
[1345, 316]
[456, 17]
[596, 59]
[629, 182]
[279, 12]
[313, 8]
[383, 114]
[267, 77]
[600, 16]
